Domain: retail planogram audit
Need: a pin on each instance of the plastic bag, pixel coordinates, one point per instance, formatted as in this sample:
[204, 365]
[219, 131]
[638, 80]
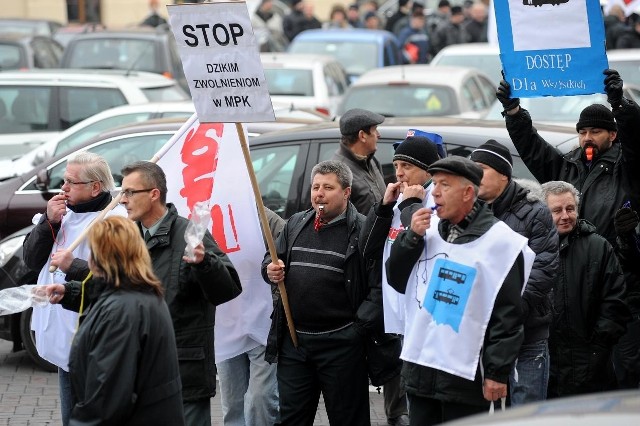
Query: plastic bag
[196, 228]
[18, 299]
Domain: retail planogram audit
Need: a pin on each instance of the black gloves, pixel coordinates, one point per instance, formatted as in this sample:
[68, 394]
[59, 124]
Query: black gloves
[613, 87]
[504, 96]
[625, 221]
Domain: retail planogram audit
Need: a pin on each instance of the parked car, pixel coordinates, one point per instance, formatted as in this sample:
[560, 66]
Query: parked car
[29, 26]
[305, 81]
[28, 195]
[627, 63]
[92, 126]
[358, 50]
[422, 91]
[35, 105]
[22, 51]
[483, 56]
[619, 408]
[561, 110]
[140, 49]
[66, 33]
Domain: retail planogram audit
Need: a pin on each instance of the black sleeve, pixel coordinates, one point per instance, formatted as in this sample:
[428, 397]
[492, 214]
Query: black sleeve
[36, 247]
[405, 252]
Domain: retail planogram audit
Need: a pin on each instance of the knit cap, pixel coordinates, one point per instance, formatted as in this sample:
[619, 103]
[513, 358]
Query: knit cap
[494, 155]
[417, 150]
[598, 116]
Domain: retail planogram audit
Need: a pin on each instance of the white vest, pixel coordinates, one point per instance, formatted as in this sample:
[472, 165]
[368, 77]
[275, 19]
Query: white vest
[392, 301]
[53, 325]
[450, 297]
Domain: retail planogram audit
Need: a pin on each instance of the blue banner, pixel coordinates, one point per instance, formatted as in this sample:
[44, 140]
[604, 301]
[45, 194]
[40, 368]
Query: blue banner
[551, 47]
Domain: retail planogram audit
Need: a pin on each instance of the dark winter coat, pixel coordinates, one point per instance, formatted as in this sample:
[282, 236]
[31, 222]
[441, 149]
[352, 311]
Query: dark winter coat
[503, 336]
[525, 213]
[123, 360]
[364, 293]
[604, 186]
[629, 39]
[368, 182]
[192, 292]
[590, 314]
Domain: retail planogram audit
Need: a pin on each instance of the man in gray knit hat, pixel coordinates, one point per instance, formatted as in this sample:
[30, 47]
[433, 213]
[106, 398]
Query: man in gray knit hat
[525, 212]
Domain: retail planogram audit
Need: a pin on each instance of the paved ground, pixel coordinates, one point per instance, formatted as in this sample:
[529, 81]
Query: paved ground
[29, 396]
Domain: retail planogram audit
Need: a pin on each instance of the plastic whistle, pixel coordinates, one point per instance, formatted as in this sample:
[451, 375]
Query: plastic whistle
[589, 152]
[434, 208]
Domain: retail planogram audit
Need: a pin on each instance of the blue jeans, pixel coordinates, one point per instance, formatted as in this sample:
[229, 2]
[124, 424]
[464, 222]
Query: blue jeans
[248, 389]
[529, 377]
[66, 398]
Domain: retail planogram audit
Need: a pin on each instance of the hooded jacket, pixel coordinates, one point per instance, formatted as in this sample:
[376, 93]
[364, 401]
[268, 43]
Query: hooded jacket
[525, 213]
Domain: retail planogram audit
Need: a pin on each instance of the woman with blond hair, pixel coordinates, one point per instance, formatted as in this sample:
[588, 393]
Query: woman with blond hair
[123, 360]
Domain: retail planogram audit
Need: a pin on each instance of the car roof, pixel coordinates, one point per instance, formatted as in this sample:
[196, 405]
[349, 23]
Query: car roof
[454, 130]
[297, 60]
[137, 32]
[623, 54]
[356, 35]
[441, 75]
[21, 37]
[141, 79]
[471, 49]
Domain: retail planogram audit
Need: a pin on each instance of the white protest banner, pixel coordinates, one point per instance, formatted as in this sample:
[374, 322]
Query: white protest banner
[221, 60]
[206, 164]
[551, 47]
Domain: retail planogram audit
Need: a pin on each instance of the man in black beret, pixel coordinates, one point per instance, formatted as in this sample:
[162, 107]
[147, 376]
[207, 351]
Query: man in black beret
[359, 129]
[523, 209]
[458, 346]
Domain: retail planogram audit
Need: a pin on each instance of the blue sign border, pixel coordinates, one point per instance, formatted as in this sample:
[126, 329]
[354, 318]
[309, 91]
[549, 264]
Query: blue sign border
[583, 76]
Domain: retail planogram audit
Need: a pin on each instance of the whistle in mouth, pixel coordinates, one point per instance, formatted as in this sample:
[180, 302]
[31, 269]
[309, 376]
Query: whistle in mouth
[589, 152]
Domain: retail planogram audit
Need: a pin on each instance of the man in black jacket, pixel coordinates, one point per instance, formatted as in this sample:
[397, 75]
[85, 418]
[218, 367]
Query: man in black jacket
[193, 286]
[453, 364]
[525, 213]
[604, 168]
[333, 306]
[359, 129]
[590, 313]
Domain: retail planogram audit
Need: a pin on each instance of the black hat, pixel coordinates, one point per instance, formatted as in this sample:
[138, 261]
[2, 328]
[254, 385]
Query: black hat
[417, 150]
[598, 116]
[459, 166]
[357, 119]
[402, 3]
[369, 14]
[495, 156]
[456, 10]
[443, 3]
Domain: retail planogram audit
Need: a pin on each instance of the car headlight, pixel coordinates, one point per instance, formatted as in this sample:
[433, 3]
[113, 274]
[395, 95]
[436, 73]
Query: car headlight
[9, 248]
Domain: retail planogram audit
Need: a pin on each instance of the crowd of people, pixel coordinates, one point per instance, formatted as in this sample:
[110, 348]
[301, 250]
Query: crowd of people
[452, 288]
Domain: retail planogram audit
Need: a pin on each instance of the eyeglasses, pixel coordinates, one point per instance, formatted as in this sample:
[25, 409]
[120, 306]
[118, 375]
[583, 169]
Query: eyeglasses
[131, 192]
[74, 183]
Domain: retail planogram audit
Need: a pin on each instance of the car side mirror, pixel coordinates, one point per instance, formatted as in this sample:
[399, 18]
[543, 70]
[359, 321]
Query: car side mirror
[42, 180]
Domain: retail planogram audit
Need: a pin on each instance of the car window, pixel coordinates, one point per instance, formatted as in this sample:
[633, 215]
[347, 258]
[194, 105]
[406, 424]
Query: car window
[117, 152]
[10, 57]
[330, 82]
[473, 97]
[177, 114]
[91, 130]
[356, 58]
[488, 89]
[78, 103]
[402, 101]
[291, 82]
[274, 167]
[43, 57]
[127, 54]
[26, 109]
[629, 70]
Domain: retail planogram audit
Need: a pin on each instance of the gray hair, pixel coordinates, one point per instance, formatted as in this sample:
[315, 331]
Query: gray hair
[558, 187]
[151, 174]
[341, 170]
[94, 168]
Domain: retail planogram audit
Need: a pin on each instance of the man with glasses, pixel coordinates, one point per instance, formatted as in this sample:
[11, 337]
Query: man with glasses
[85, 193]
[193, 286]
